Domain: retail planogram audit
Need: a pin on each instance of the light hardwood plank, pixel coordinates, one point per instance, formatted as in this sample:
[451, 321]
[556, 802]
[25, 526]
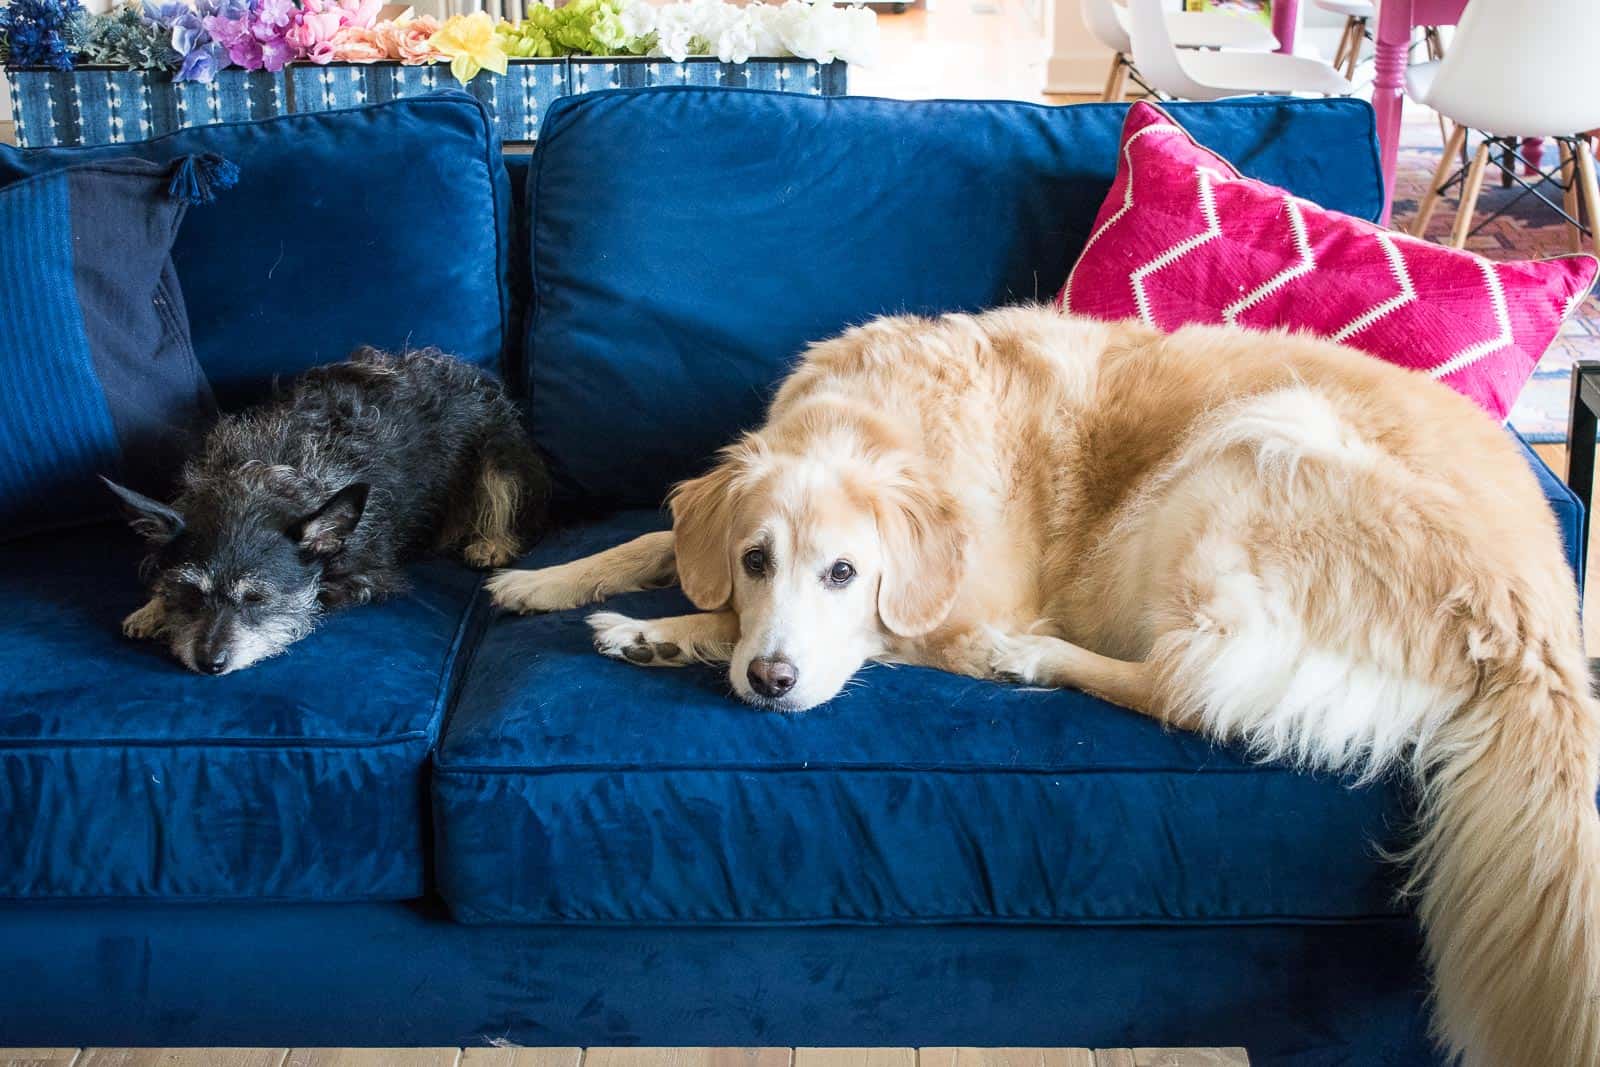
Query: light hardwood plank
[1005, 1057]
[1190, 1057]
[687, 1057]
[521, 1057]
[1113, 1057]
[37, 1057]
[182, 1057]
[855, 1057]
[373, 1057]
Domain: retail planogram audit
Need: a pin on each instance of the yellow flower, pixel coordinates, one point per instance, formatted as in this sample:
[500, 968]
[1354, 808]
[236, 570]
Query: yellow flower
[470, 43]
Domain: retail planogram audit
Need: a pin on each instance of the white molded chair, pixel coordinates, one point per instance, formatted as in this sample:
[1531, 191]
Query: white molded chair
[1195, 75]
[1108, 23]
[1515, 72]
[1357, 14]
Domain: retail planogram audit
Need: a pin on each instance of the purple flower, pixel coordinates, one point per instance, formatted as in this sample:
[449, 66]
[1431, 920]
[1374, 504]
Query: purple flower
[232, 32]
[275, 54]
[201, 64]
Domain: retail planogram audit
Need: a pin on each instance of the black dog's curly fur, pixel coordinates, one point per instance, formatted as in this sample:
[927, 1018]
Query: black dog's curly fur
[315, 501]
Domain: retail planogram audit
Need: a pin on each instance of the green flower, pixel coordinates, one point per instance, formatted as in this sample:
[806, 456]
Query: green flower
[123, 37]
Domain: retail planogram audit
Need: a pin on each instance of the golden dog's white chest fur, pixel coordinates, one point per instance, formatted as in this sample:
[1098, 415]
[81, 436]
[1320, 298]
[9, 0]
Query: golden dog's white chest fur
[1275, 540]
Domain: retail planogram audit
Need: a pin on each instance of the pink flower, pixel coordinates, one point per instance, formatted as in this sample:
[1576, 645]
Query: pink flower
[312, 34]
[360, 44]
[362, 13]
[411, 41]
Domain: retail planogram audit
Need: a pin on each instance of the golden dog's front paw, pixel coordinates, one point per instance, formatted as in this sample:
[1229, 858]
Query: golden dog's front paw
[1023, 659]
[145, 623]
[638, 641]
[526, 592]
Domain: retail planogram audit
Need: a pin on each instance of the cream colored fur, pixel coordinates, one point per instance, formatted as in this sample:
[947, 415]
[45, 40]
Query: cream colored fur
[1271, 539]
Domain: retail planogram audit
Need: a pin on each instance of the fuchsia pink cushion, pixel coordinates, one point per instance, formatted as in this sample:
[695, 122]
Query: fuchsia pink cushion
[1184, 238]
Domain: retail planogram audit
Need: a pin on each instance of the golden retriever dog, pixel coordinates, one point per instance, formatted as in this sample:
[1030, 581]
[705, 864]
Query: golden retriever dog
[1271, 539]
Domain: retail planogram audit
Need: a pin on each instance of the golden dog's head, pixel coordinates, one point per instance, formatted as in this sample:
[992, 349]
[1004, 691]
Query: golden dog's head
[826, 553]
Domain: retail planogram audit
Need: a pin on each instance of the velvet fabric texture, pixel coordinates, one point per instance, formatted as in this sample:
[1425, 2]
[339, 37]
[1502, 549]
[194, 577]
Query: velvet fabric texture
[574, 789]
[94, 343]
[1341, 994]
[123, 775]
[669, 317]
[1184, 238]
[385, 225]
[1566, 508]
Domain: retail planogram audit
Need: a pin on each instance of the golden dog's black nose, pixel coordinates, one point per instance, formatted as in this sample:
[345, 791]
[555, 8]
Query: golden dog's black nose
[771, 676]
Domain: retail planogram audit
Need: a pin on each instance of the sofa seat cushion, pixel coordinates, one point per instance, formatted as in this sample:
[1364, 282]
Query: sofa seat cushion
[124, 776]
[572, 788]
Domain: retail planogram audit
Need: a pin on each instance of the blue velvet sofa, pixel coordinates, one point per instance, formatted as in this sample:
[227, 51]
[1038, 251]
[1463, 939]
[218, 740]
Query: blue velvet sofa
[430, 825]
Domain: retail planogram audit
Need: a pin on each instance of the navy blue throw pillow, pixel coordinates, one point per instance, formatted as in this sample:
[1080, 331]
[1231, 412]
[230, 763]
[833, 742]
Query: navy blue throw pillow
[98, 374]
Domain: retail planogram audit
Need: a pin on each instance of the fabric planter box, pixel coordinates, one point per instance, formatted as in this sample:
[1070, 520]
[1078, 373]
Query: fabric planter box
[594, 73]
[102, 105]
[517, 100]
[99, 105]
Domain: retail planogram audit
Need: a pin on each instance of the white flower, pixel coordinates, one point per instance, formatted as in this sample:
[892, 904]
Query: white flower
[638, 19]
[809, 29]
[675, 32]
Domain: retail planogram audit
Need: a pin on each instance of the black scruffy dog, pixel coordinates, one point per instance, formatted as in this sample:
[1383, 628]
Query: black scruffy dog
[314, 500]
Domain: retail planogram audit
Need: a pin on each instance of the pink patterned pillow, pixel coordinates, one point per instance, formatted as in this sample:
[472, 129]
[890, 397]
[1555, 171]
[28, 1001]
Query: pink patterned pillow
[1184, 238]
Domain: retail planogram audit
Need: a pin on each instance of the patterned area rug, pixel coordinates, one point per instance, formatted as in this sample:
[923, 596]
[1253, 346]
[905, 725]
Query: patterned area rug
[1528, 230]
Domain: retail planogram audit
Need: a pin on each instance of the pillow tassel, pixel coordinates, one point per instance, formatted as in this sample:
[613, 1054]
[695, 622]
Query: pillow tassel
[198, 179]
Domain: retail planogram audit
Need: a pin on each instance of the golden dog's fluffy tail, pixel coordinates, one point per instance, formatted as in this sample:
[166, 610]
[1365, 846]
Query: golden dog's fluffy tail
[1507, 870]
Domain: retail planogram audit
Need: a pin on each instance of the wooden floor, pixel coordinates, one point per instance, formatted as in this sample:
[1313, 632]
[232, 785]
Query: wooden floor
[622, 1057]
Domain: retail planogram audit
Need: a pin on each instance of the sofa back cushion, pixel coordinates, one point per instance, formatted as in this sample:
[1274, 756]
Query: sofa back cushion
[385, 225]
[688, 243]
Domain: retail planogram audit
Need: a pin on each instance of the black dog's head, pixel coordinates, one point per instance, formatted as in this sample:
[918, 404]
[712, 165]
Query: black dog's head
[238, 578]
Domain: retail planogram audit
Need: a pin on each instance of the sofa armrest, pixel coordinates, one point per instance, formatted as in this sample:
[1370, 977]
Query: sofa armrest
[1568, 509]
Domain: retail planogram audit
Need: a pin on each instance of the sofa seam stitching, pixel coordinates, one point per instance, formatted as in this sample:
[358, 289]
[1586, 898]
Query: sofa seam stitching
[491, 770]
[22, 743]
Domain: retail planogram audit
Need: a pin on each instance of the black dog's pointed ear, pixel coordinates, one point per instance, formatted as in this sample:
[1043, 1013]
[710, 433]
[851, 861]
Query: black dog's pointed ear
[323, 532]
[150, 519]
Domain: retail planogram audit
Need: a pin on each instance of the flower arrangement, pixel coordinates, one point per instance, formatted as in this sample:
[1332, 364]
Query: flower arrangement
[42, 33]
[197, 38]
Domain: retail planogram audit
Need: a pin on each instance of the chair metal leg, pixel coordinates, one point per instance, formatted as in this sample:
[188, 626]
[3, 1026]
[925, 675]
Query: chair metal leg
[1430, 197]
[1589, 188]
[1469, 197]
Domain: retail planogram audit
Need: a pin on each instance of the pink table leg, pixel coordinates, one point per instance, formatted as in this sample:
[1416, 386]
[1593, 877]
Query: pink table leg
[1388, 88]
[1285, 21]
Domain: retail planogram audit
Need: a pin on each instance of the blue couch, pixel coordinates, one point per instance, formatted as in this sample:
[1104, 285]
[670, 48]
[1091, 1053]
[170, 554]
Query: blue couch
[431, 825]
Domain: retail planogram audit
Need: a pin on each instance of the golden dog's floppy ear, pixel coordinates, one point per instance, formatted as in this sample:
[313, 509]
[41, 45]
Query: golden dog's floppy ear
[702, 523]
[924, 535]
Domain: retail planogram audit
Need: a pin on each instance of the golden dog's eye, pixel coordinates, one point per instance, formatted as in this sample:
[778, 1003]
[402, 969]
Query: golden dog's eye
[755, 562]
[841, 573]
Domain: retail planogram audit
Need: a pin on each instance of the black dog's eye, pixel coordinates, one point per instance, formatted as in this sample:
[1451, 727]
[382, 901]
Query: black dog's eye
[253, 598]
[841, 573]
[755, 562]
[187, 597]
